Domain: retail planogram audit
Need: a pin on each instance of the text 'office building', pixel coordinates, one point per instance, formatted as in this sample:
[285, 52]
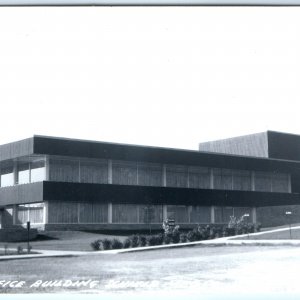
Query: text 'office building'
[58, 183]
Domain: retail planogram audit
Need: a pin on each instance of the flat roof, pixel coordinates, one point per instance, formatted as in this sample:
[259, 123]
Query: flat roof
[58, 146]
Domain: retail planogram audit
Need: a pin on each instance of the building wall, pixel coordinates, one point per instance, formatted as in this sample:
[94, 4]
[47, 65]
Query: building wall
[255, 145]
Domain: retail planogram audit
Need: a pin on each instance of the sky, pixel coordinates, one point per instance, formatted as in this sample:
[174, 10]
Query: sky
[159, 76]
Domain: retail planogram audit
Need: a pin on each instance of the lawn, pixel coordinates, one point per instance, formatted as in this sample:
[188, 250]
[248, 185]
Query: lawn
[278, 235]
[63, 240]
[198, 269]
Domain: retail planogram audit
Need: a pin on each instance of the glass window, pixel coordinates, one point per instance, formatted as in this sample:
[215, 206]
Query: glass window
[280, 183]
[178, 212]
[177, 176]
[64, 170]
[199, 177]
[93, 212]
[223, 214]
[222, 179]
[37, 171]
[241, 211]
[150, 214]
[30, 212]
[200, 214]
[263, 182]
[23, 173]
[124, 172]
[63, 212]
[7, 177]
[149, 174]
[94, 171]
[125, 213]
[241, 180]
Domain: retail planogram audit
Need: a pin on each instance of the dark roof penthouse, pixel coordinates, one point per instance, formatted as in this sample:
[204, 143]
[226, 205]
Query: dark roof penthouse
[58, 183]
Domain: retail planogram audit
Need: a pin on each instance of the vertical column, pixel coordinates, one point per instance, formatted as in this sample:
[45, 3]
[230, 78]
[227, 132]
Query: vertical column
[78, 212]
[289, 183]
[109, 218]
[211, 174]
[15, 214]
[164, 175]
[29, 170]
[47, 168]
[188, 177]
[165, 212]
[45, 212]
[164, 183]
[189, 213]
[79, 171]
[254, 215]
[15, 172]
[137, 173]
[110, 171]
[212, 214]
[138, 213]
[252, 181]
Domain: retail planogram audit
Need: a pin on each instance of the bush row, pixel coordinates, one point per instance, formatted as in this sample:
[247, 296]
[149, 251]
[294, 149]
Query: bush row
[173, 237]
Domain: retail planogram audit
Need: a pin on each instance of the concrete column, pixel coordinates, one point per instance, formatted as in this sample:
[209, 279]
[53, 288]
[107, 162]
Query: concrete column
[212, 214]
[45, 212]
[15, 214]
[109, 218]
[47, 168]
[164, 175]
[110, 171]
[289, 183]
[29, 169]
[79, 171]
[189, 213]
[211, 184]
[138, 213]
[252, 181]
[15, 172]
[165, 212]
[254, 215]
[78, 212]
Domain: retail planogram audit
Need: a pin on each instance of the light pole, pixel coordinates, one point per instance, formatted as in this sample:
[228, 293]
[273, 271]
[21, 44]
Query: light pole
[247, 216]
[289, 214]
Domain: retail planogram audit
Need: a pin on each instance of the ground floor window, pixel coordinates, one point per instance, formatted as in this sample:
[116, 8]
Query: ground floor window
[134, 213]
[200, 214]
[179, 213]
[34, 213]
[223, 214]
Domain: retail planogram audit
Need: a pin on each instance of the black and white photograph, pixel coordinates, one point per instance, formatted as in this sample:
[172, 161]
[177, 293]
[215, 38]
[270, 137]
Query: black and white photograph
[149, 151]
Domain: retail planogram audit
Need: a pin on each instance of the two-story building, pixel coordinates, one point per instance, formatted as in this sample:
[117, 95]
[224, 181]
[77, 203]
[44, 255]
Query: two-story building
[59, 183]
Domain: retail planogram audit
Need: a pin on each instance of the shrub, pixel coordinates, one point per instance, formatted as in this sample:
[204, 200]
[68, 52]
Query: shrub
[134, 241]
[116, 244]
[154, 240]
[192, 235]
[229, 231]
[127, 243]
[106, 244]
[160, 238]
[20, 249]
[142, 241]
[175, 236]
[183, 238]
[167, 239]
[96, 245]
